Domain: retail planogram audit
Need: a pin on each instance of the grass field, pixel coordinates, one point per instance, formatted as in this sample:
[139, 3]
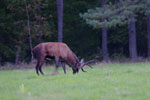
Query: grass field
[103, 82]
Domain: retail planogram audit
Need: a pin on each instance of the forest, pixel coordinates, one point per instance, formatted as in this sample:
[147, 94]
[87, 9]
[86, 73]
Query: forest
[110, 30]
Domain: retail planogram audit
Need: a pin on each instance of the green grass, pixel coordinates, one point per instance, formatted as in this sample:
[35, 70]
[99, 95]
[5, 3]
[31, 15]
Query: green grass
[103, 82]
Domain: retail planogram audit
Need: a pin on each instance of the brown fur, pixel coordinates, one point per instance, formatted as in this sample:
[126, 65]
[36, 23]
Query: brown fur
[58, 51]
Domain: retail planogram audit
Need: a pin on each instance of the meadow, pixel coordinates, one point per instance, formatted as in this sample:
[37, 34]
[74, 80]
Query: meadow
[129, 81]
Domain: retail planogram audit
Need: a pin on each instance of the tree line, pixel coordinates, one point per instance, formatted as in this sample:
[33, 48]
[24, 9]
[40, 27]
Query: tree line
[109, 29]
[122, 12]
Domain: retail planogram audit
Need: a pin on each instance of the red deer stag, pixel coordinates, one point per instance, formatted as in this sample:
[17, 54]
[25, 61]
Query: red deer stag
[61, 53]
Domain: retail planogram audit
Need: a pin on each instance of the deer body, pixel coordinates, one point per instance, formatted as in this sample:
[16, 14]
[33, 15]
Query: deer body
[58, 51]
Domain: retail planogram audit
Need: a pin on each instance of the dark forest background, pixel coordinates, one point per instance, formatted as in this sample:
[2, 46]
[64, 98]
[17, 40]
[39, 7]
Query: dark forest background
[84, 40]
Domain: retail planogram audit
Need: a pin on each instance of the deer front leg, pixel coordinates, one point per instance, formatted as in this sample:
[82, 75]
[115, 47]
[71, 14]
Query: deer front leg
[64, 67]
[57, 65]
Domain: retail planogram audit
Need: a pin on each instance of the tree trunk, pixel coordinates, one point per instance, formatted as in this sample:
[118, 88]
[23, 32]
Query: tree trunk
[39, 21]
[132, 39]
[17, 54]
[29, 29]
[148, 32]
[60, 20]
[104, 38]
[104, 44]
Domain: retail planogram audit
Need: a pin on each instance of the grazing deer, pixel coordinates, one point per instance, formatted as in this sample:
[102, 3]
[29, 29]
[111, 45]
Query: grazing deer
[61, 53]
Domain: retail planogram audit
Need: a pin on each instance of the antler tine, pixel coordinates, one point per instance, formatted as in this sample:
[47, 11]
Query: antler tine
[83, 70]
[88, 63]
[91, 61]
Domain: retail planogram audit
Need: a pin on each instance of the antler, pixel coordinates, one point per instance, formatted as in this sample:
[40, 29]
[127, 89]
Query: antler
[88, 64]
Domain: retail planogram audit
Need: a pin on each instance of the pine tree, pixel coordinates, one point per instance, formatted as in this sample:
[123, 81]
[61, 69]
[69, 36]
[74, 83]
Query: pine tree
[118, 14]
[104, 37]
[147, 13]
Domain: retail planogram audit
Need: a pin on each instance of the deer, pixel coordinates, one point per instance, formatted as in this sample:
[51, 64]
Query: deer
[60, 52]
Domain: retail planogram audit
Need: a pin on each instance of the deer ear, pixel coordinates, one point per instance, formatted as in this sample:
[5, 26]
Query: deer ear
[81, 61]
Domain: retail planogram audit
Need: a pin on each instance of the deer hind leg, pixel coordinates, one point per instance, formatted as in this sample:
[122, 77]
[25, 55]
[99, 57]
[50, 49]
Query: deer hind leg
[40, 66]
[37, 68]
